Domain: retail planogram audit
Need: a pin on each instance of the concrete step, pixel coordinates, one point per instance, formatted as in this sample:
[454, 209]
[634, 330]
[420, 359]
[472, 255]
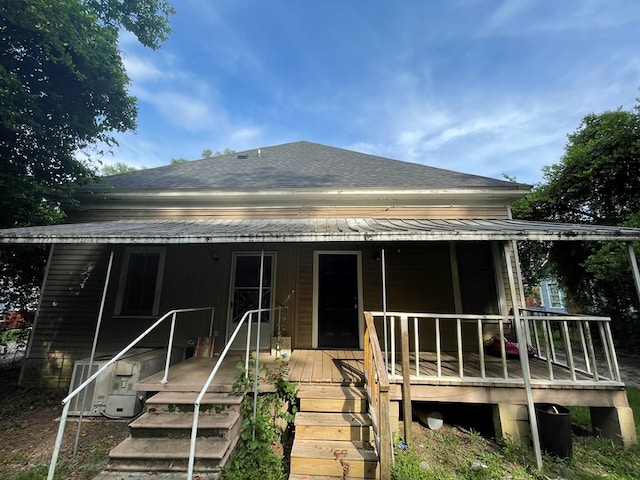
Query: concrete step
[341, 459]
[179, 424]
[168, 454]
[332, 398]
[183, 402]
[337, 426]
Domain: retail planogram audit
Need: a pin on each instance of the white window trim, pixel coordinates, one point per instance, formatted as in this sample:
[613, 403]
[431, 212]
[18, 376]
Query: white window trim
[123, 278]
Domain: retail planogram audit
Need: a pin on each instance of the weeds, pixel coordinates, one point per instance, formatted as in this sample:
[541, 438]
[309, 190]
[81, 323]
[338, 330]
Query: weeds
[257, 455]
[450, 453]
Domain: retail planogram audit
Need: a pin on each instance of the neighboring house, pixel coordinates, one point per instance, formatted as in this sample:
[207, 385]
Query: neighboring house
[349, 233]
[552, 297]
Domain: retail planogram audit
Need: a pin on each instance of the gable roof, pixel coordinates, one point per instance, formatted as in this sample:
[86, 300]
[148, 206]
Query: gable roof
[300, 165]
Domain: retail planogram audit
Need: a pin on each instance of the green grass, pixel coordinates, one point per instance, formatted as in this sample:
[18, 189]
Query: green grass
[452, 454]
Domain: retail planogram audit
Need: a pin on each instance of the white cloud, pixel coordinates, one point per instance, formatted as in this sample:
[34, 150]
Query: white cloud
[140, 69]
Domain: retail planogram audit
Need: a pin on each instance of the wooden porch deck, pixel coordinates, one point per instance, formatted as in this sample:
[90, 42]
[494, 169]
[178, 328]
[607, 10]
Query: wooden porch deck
[345, 367]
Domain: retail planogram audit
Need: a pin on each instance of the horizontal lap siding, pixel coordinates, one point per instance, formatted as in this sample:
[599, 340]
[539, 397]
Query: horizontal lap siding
[304, 297]
[68, 313]
[419, 212]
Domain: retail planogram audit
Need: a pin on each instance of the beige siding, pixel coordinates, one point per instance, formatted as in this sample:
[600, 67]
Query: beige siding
[418, 280]
[304, 297]
[420, 212]
[68, 314]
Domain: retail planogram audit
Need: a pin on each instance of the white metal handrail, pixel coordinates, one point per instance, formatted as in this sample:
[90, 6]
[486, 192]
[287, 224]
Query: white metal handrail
[66, 401]
[537, 331]
[214, 371]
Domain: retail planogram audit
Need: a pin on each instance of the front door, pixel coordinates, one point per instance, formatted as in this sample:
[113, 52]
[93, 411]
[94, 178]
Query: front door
[337, 300]
[244, 296]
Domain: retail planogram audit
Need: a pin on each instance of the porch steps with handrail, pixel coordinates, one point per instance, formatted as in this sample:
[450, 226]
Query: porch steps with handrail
[333, 435]
[159, 438]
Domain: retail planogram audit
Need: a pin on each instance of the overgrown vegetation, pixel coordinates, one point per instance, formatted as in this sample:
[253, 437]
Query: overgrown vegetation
[260, 450]
[456, 453]
[28, 428]
[594, 183]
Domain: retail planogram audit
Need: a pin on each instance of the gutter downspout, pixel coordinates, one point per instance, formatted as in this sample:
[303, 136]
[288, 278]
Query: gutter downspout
[524, 359]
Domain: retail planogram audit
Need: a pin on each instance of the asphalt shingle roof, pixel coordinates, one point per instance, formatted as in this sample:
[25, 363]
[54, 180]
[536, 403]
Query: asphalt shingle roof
[302, 165]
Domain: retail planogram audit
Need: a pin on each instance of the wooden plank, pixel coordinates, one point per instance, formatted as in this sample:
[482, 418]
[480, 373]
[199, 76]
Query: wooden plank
[406, 380]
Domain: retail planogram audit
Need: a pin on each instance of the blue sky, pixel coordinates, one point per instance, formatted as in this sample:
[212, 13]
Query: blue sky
[480, 86]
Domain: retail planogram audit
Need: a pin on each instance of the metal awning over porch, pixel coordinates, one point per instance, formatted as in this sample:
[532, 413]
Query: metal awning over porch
[310, 230]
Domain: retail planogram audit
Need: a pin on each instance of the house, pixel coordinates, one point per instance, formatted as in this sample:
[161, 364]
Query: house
[400, 272]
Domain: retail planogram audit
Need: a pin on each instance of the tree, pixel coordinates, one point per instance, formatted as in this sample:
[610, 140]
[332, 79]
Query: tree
[118, 167]
[596, 182]
[63, 89]
[208, 153]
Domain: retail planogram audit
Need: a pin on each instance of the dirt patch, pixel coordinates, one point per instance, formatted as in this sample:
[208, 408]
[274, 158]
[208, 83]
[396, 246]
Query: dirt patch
[29, 421]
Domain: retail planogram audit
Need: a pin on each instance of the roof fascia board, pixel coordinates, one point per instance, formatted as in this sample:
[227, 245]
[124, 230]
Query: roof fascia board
[317, 237]
[303, 197]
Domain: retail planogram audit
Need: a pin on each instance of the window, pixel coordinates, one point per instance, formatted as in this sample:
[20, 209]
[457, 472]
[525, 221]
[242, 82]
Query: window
[140, 282]
[555, 295]
[246, 285]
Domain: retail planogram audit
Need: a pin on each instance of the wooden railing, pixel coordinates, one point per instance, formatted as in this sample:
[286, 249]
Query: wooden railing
[437, 346]
[377, 386]
[568, 341]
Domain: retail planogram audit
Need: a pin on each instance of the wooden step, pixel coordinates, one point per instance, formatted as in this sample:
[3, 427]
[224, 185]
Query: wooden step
[340, 459]
[332, 398]
[297, 476]
[337, 426]
[168, 454]
[179, 425]
[183, 402]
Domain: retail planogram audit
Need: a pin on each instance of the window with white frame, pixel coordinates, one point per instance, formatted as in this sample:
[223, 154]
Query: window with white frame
[555, 295]
[140, 282]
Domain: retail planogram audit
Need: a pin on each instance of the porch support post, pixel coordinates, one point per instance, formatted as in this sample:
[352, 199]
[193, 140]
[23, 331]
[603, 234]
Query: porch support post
[383, 260]
[634, 268]
[43, 286]
[94, 347]
[524, 359]
[406, 377]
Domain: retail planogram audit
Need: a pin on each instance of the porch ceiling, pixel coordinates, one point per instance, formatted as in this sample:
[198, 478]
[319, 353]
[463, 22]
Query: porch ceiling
[310, 230]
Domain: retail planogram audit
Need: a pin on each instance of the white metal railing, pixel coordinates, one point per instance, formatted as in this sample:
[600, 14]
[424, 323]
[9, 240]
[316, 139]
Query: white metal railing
[568, 341]
[459, 340]
[66, 401]
[196, 410]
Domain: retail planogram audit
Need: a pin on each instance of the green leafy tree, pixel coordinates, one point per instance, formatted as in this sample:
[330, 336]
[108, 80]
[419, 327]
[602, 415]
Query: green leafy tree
[118, 167]
[176, 161]
[596, 182]
[63, 90]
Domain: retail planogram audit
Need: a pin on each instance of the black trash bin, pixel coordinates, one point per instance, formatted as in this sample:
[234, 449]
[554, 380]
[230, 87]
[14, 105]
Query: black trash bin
[554, 427]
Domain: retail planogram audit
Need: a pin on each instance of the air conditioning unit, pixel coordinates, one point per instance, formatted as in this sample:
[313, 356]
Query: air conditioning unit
[112, 394]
